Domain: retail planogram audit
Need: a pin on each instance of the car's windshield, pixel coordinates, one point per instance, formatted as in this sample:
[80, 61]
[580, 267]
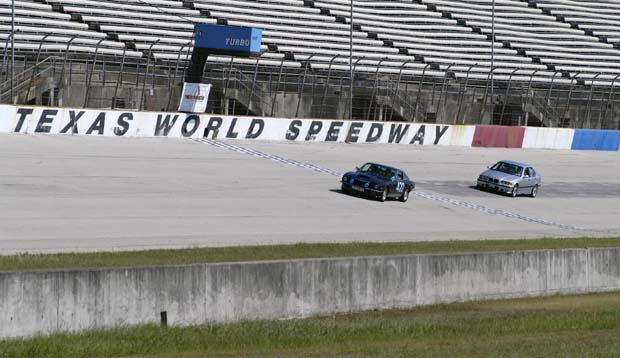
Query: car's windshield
[377, 170]
[508, 168]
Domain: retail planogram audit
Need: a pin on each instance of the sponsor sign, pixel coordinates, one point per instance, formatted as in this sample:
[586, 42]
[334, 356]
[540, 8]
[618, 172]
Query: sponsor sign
[235, 40]
[194, 97]
[17, 119]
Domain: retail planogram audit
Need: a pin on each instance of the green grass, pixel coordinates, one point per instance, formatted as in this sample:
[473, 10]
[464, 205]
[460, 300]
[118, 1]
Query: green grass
[281, 252]
[558, 326]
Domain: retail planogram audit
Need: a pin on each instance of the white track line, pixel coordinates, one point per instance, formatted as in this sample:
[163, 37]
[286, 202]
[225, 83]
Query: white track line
[426, 195]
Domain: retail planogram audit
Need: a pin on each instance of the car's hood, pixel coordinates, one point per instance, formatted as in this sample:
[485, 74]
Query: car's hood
[365, 177]
[494, 174]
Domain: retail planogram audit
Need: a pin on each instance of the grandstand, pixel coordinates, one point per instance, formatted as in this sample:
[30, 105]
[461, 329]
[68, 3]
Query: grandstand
[552, 63]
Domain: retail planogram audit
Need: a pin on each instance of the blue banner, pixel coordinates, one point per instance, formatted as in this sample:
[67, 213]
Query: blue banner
[592, 139]
[228, 39]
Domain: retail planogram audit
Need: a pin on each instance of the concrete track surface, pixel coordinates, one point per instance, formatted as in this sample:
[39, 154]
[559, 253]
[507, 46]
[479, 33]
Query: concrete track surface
[64, 193]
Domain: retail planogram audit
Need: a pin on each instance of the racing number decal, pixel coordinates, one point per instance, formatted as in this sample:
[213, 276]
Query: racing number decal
[400, 186]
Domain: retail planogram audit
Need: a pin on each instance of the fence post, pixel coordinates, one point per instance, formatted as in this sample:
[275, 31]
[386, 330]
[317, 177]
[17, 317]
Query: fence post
[90, 75]
[36, 67]
[374, 90]
[352, 79]
[610, 98]
[396, 92]
[570, 94]
[119, 80]
[64, 62]
[146, 73]
[461, 93]
[329, 73]
[484, 98]
[176, 71]
[247, 111]
[590, 98]
[303, 84]
[443, 88]
[501, 118]
[417, 98]
[4, 57]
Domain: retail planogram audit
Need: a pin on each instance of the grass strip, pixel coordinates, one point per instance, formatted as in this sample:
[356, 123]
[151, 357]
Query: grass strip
[282, 252]
[557, 326]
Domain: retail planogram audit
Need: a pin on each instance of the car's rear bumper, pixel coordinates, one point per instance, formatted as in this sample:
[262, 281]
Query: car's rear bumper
[494, 187]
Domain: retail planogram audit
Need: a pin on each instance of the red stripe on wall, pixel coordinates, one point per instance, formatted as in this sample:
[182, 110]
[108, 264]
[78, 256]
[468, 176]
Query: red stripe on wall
[498, 136]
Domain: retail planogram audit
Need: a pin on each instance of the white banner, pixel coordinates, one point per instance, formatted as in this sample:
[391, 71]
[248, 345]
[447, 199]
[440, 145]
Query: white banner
[93, 122]
[194, 97]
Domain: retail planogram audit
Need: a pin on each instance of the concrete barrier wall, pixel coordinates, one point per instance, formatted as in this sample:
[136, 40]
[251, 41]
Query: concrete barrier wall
[498, 136]
[589, 139]
[548, 138]
[45, 302]
[67, 121]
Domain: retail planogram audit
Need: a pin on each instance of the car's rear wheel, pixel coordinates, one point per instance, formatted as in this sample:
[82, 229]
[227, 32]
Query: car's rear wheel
[384, 195]
[405, 196]
[514, 191]
[534, 191]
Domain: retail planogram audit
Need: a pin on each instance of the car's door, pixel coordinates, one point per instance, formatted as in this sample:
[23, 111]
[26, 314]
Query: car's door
[399, 183]
[535, 177]
[528, 178]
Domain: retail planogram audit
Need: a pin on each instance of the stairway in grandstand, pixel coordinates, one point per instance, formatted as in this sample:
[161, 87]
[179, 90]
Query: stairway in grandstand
[457, 43]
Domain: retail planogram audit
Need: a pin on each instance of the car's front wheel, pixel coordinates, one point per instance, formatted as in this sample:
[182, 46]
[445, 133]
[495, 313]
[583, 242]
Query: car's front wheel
[384, 195]
[534, 191]
[405, 196]
[514, 191]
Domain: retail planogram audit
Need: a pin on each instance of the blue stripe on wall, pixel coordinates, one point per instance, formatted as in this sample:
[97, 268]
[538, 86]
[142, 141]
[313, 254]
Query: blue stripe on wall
[592, 139]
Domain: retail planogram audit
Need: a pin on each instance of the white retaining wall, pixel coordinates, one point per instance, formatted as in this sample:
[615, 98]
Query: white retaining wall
[549, 138]
[68, 121]
[43, 120]
[72, 300]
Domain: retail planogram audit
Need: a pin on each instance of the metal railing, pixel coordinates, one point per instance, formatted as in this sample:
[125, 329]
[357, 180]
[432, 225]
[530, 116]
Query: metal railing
[268, 90]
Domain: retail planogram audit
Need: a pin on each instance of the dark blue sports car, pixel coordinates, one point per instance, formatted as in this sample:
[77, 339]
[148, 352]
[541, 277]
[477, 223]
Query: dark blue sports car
[378, 181]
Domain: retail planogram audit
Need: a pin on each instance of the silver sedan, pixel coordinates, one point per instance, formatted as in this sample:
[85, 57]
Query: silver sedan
[510, 177]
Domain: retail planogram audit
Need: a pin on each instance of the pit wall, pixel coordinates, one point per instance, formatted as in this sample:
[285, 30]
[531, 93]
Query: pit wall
[73, 300]
[22, 119]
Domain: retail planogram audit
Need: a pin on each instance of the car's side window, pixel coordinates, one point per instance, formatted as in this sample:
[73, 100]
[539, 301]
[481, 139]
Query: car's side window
[532, 172]
[528, 172]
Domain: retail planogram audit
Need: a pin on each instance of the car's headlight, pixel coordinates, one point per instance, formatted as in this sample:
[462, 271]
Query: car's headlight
[344, 178]
[375, 186]
[481, 177]
[504, 182]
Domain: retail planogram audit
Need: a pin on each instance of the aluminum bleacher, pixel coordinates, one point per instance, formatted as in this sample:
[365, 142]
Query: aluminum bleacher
[146, 26]
[533, 40]
[535, 32]
[602, 18]
[38, 26]
[421, 31]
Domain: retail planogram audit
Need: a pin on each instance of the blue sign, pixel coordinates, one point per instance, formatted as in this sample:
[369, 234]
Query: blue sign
[235, 40]
[594, 139]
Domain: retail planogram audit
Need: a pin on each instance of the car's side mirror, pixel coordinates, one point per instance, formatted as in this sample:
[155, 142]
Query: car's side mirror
[357, 169]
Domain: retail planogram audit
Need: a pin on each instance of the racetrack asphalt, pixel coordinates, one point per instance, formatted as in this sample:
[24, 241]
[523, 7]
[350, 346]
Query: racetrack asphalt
[69, 193]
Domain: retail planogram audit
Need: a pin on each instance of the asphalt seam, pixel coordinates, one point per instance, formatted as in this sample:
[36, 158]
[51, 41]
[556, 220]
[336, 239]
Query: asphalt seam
[422, 194]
